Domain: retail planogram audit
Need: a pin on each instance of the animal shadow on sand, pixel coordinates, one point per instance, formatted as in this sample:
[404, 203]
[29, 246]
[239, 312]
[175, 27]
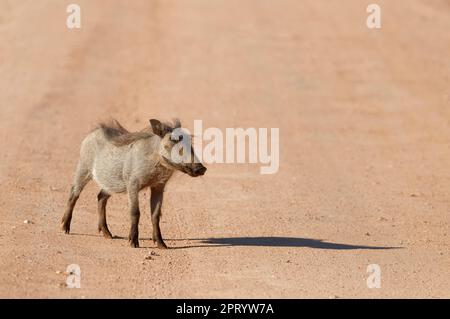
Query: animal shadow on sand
[259, 242]
[278, 242]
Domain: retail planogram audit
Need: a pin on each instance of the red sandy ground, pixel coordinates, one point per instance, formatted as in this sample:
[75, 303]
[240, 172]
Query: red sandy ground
[364, 146]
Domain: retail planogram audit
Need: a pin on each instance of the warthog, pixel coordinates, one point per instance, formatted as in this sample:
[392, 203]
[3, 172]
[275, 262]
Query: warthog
[120, 161]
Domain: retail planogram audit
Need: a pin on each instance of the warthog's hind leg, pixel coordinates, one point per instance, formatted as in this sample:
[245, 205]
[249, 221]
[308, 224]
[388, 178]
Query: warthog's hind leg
[67, 217]
[102, 225]
[82, 177]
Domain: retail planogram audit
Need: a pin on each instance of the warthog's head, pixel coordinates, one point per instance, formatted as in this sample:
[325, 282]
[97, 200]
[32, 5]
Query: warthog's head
[176, 148]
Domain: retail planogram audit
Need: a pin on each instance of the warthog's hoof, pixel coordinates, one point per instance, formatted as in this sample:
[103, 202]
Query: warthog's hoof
[161, 245]
[134, 241]
[105, 231]
[65, 227]
[107, 234]
[134, 244]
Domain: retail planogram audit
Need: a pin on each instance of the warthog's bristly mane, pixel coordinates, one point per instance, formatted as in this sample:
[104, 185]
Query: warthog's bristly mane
[120, 136]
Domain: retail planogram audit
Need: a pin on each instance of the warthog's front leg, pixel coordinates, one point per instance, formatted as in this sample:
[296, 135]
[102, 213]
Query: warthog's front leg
[133, 202]
[155, 206]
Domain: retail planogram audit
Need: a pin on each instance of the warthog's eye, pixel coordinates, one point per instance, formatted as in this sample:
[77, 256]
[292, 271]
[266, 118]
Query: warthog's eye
[179, 139]
[167, 147]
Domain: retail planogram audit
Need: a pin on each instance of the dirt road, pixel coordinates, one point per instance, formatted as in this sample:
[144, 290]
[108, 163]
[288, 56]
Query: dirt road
[364, 146]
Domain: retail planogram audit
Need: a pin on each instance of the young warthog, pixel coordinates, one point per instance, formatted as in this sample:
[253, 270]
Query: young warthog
[120, 161]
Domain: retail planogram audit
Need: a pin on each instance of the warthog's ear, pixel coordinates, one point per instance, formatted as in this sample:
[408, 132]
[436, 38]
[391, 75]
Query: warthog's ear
[159, 128]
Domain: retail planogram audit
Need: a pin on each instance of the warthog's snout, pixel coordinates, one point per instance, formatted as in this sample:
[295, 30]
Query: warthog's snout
[199, 170]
